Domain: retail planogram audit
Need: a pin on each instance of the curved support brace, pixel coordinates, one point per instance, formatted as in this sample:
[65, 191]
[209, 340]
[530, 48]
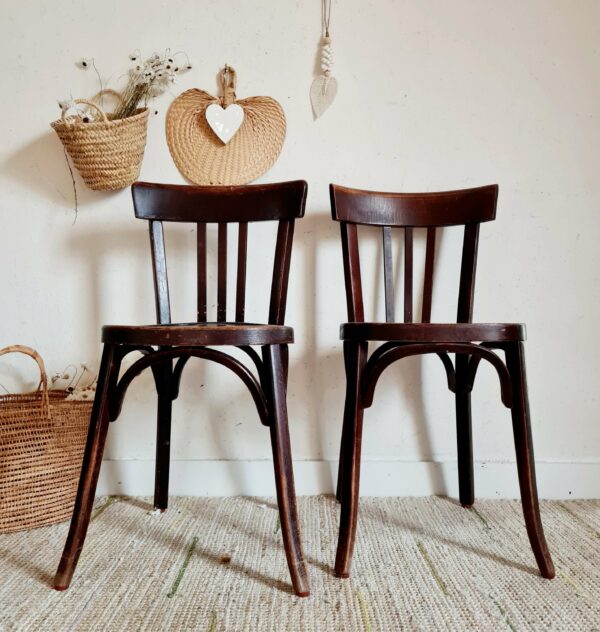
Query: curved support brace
[446, 361]
[181, 362]
[474, 362]
[176, 379]
[450, 372]
[384, 348]
[374, 369]
[472, 367]
[156, 357]
[120, 352]
[258, 363]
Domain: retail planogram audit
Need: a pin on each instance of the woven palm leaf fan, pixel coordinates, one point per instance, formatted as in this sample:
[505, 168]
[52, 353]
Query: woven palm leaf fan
[240, 141]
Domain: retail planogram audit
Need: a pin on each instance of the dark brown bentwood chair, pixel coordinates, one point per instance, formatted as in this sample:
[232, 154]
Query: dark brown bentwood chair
[164, 343]
[469, 207]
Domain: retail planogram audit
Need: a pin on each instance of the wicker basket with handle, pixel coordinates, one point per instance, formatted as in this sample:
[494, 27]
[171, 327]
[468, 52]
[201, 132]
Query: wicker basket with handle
[107, 153]
[42, 438]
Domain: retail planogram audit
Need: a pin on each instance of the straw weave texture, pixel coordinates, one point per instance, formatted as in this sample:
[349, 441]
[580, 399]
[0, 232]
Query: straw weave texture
[107, 153]
[203, 159]
[420, 564]
[40, 458]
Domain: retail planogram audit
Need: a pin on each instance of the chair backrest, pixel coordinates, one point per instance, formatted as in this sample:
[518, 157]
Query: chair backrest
[468, 207]
[282, 202]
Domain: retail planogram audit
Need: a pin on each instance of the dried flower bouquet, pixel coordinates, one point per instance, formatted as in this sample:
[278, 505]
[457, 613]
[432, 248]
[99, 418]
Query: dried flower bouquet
[107, 149]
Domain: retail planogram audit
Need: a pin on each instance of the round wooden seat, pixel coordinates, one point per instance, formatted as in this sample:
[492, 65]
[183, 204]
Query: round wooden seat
[434, 332]
[198, 334]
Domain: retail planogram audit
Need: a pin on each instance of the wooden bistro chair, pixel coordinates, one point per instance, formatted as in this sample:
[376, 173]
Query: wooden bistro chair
[166, 347]
[470, 342]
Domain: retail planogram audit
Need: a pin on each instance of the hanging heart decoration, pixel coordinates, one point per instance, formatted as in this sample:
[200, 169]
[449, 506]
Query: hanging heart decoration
[225, 122]
[222, 140]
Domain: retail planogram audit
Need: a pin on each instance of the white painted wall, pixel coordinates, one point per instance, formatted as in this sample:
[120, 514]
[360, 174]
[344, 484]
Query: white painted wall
[433, 95]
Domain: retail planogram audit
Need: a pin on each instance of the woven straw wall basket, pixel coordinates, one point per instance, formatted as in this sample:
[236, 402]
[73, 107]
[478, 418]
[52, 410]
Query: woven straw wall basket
[107, 153]
[204, 159]
[42, 438]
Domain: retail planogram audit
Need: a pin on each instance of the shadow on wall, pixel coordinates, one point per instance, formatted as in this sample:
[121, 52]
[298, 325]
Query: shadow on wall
[327, 379]
[41, 168]
[93, 253]
[323, 370]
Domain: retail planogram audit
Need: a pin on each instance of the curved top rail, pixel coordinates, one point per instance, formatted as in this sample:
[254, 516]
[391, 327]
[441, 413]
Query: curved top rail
[443, 208]
[204, 204]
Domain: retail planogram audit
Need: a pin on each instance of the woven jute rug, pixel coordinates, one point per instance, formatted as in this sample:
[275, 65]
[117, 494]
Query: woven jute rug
[218, 564]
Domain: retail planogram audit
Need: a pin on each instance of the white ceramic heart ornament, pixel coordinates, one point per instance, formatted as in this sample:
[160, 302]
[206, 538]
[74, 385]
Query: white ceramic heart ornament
[225, 122]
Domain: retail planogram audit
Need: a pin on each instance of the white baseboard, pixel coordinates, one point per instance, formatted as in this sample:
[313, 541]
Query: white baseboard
[556, 480]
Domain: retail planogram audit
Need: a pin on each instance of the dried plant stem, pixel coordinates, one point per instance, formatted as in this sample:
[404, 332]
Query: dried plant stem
[74, 185]
[132, 97]
[100, 82]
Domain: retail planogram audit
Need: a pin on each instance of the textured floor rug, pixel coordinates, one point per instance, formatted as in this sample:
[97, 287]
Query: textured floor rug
[218, 564]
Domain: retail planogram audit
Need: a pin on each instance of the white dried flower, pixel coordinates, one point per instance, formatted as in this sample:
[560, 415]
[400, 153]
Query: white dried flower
[66, 104]
[151, 77]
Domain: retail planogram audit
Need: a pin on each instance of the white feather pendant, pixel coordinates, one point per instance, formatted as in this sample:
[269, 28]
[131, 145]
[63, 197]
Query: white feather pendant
[324, 87]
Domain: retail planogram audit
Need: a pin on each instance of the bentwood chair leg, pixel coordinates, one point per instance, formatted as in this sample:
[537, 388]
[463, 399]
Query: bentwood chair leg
[346, 428]
[163, 452]
[284, 474]
[340, 475]
[285, 362]
[355, 355]
[464, 436]
[163, 435]
[90, 470]
[466, 487]
[515, 359]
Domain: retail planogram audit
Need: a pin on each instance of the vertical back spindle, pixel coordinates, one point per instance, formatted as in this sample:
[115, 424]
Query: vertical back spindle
[159, 269]
[352, 277]
[240, 295]
[222, 273]
[428, 278]
[468, 268]
[281, 269]
[201, 271]
[388, 277]
[408, 275]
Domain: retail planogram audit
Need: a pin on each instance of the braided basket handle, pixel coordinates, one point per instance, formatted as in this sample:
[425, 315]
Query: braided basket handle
[111, 93]
[43, 386]
[228, 85]
[91, 104]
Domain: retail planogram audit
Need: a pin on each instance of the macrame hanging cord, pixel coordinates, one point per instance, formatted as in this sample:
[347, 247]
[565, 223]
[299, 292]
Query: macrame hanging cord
[324, 86]
[326, 52]
[326, 16]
